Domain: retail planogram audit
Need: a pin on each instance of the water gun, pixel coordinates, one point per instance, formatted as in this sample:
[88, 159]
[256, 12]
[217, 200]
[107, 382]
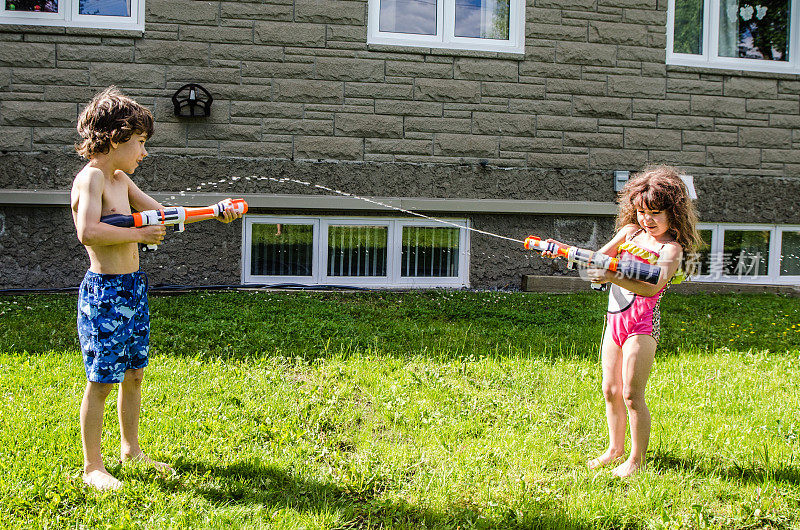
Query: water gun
[174, 215]
[635, 270]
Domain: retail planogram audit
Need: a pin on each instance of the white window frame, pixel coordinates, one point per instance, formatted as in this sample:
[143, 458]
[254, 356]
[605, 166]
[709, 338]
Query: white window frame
[773, 276]
[68, 16]
[445, 31]
[710, 56]
[319, 276]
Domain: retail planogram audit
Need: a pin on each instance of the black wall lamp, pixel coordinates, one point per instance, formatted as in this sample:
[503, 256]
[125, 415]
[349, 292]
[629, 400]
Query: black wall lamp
[192, 100]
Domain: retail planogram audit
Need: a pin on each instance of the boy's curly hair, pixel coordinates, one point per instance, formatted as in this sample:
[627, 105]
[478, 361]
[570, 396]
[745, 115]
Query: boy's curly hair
[111, 117]
[661, 188]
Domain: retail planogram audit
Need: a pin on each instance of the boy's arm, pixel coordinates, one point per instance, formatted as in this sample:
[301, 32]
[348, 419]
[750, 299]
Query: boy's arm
[91, 232]
[139, 200]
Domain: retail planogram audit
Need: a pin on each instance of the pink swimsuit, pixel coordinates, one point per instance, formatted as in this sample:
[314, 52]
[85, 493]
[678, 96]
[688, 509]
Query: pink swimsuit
[629, 313]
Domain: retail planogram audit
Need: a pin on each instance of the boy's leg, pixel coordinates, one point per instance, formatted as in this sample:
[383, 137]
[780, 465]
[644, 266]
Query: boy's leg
[92, 407]
[129, 404]
[638, 356]
[616, 416]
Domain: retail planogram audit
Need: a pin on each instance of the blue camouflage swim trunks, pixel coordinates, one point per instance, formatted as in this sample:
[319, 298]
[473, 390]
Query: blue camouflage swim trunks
[113, 324]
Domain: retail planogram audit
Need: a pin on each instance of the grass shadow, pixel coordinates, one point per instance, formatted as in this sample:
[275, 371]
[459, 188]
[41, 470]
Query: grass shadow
[252, 482]
[750, 474]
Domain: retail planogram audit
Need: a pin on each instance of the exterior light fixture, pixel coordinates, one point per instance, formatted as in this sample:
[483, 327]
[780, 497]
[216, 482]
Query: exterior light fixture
[192, 100]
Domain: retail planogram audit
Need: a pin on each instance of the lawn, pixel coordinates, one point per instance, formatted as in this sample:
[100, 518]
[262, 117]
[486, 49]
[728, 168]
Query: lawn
[407, 410]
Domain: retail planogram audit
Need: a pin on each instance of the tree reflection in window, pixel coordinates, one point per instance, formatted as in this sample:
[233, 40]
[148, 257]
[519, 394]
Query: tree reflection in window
[754, 30]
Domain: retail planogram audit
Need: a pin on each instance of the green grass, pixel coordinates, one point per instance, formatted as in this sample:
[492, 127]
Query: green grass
[407, 410]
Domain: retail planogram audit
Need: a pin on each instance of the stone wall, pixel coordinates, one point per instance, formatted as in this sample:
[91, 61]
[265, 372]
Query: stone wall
[297, 80]
[299, 93]
[39, 250]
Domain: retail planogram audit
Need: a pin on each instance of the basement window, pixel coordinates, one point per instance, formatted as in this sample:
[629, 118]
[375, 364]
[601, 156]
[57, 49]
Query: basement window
[374, 252]
[750, 254]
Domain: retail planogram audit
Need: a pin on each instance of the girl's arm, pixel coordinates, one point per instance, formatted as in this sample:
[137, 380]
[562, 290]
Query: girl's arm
[668, 261]
[610, 248]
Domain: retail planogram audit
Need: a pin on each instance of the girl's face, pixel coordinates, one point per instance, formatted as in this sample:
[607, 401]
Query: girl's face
[654, 222]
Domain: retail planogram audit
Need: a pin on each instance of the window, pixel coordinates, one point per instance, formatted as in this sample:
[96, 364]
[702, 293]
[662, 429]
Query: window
[488, 25]
[758, 35]
[765, 254]
[109, 14]
[377, 252]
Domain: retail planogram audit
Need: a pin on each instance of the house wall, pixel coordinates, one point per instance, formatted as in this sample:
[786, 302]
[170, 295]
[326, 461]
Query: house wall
[299, 93]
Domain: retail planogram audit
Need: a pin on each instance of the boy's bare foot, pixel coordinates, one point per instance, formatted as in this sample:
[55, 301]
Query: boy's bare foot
[142, 458]
[626, 469]
[101, 480]
[606, 458]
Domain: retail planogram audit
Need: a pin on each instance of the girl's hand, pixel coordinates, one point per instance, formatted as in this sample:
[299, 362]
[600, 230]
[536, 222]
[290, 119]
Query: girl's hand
[598, 275]
[547, 254]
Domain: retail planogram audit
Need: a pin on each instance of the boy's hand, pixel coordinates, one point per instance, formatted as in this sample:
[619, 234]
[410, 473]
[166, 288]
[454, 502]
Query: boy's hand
[152, 234]
[229, 214]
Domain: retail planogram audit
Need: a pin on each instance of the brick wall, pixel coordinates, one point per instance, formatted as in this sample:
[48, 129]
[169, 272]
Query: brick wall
[297, 80]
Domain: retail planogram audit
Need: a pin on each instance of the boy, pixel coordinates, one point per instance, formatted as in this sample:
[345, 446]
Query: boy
[113, 313]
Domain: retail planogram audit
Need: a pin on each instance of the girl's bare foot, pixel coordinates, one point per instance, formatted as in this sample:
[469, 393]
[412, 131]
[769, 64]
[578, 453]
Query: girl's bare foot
[101, 480]
[609, 457]
[626, 469]
[142, 458]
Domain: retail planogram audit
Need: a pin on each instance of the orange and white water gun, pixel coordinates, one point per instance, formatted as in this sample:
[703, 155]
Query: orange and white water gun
[175, 215]
[636, 270]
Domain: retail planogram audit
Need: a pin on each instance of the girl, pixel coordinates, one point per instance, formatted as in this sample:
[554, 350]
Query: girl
[656, 223]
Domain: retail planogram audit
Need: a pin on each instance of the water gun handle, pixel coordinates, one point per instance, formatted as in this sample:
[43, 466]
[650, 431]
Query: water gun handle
[125, 221]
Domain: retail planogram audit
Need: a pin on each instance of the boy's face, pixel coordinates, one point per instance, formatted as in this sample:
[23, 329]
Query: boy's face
[128, 154]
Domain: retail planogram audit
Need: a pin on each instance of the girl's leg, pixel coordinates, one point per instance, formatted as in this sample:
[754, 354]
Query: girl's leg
[638, 354]
[615, 406]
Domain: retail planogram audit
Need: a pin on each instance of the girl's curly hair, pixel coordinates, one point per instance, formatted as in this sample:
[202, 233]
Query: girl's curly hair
[111, 117]
[661, 188]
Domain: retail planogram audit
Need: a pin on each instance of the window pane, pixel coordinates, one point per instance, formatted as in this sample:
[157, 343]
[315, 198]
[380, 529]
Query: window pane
[282, 250]
[357, 250]
[700, 263]
[746, 253]
[485, 19]
[688, 27]
[408, 16]
[790, 253]
[429, 252]
[108, 8]
[754, 30]
[42, 6]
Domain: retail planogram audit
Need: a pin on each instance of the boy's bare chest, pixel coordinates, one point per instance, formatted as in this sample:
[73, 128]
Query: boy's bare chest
[115, 199]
